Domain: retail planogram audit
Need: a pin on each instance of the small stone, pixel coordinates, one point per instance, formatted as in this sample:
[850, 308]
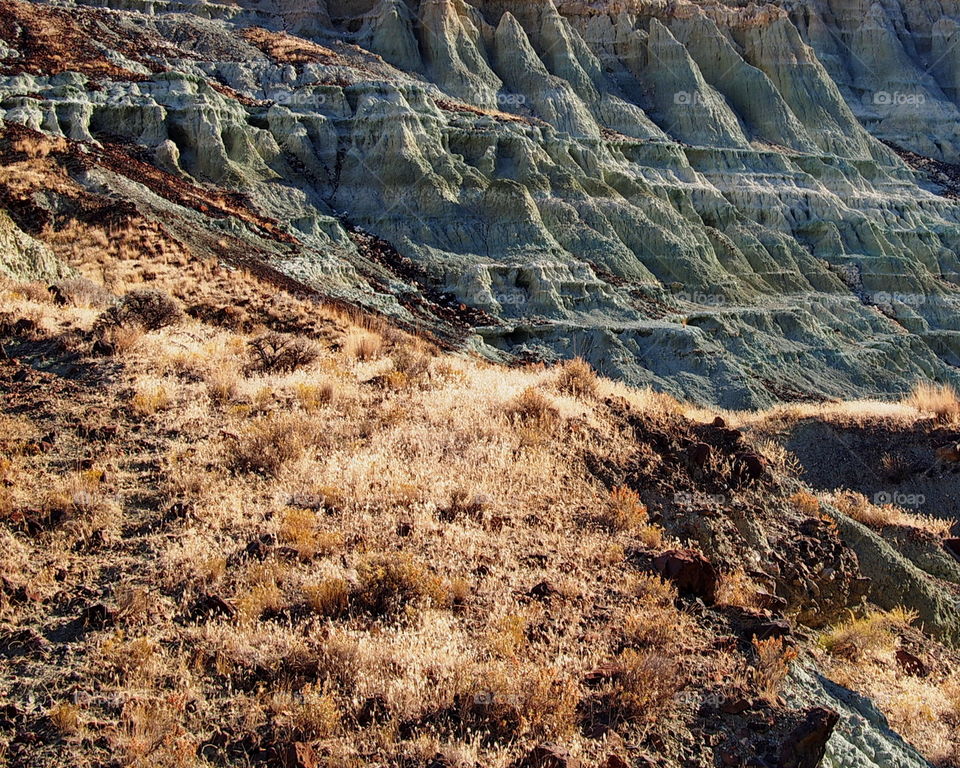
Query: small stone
[543, 590]
[97, 616]
[690, 571]
[806, 744]
[911, 664]
[546, 756]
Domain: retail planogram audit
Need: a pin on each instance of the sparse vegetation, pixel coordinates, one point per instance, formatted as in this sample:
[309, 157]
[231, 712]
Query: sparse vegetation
[774, 656]
[395, 584]
[370, 548]
[363, 345]
[268, 443]
[623, 510]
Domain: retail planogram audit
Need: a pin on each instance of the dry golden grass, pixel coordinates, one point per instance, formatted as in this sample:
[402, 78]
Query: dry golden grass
[363, 346]
[577, 378]
[805, 502]
[738, 589]
[299, 529]
[623, 510]
[268, 443]
[858, 507]
[872, 632]
[938, 399]
[150, 398]
[774, 656]
[645, 688]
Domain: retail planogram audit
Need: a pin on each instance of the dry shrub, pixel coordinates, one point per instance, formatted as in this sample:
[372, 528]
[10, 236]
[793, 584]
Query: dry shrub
[151, 733]
[643, 688]
[653, 622]
[269, 443]
[774, 656]
[80, 292]
[805, 502]
[652, 626]
[651, 536]
[394, 584]
[146, 308]
[413, 363]
[463, 505]
[260, 591]
[281, 352]
[623, 510]
[503, 704]
[329, 598]
[531, 407]
[34, 291]
[149, 400]
[781, 460]
[738, 589]
[873, 632]
[223, 385]
[65, 718]
[506, 636]
[577, 378]
[118, 340]
[651, 589]
[298, 530]
[896, 467]
[312, 397]
[80, 500]
[308, 715]
[363, 345]
[939, 399]
[137, 660]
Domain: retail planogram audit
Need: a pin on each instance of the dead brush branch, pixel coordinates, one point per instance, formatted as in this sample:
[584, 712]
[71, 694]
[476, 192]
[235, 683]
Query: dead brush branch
[281, 353]
[146, 308]
[80, 292]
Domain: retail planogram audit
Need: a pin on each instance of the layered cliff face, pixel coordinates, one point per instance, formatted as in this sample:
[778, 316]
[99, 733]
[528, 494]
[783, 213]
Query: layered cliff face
[695, 196]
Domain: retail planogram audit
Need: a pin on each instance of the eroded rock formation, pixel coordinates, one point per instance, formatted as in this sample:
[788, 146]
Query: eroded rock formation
[690, 195]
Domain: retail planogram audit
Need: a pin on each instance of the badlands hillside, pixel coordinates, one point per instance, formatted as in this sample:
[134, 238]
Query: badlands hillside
[737, 204]
[498, 385]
